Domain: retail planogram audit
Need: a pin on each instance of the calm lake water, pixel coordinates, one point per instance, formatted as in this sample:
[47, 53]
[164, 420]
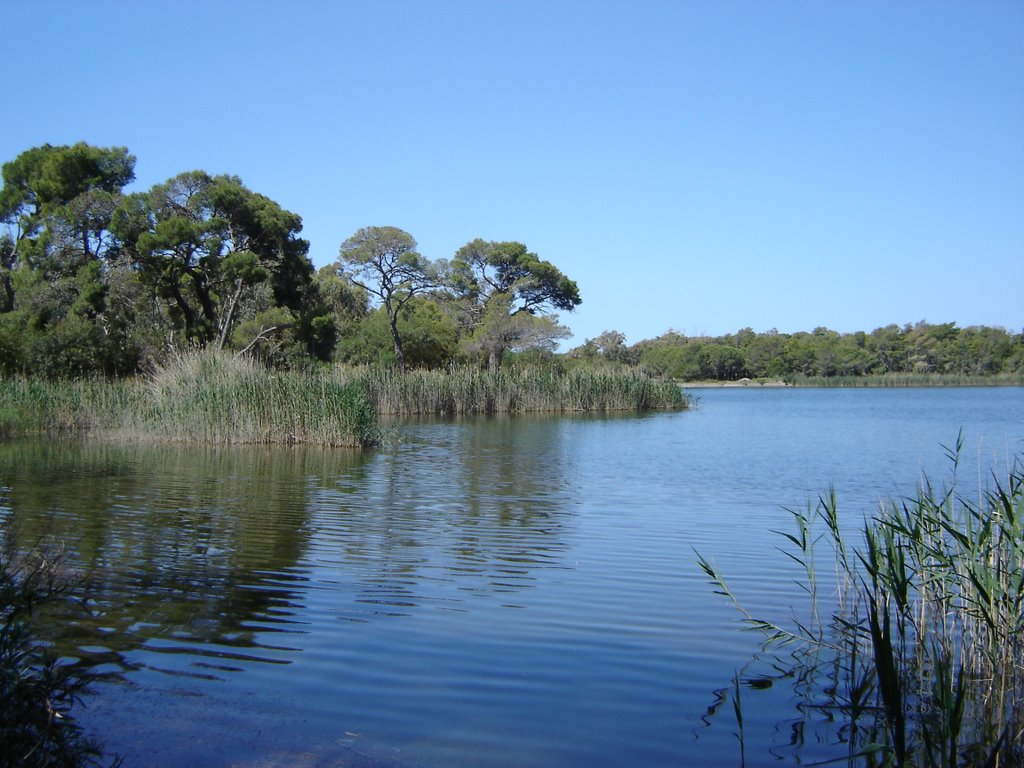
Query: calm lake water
[495, 592]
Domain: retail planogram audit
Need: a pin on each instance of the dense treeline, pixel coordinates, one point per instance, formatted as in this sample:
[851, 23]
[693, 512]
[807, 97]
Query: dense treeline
[921, 348]
[98, 281]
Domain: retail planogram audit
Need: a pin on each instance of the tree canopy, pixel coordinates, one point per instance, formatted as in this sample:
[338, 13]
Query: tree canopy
[917, 349]
[95, 280]
[202, 243]
[507, 297]
[384, 262]
[57, 312]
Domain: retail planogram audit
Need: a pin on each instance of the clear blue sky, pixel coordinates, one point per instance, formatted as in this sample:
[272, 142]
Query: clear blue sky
[701, 166]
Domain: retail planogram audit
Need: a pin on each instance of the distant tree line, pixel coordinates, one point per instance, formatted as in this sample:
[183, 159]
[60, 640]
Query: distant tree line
[920, 348]
[98, 281]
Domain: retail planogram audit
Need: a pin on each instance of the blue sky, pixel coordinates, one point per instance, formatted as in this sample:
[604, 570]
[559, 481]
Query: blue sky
[699, 166]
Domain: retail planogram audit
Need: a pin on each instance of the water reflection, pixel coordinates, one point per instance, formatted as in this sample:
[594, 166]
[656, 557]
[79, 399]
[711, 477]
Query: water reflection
[502, 592]
[188, 552]
[200, 561]
[448, 510]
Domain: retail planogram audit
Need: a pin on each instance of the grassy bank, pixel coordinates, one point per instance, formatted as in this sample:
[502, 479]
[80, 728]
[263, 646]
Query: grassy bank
[921, 659]
[215, 398]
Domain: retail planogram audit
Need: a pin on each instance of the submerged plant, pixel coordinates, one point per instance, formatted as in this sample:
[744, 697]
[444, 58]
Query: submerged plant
[921, 656]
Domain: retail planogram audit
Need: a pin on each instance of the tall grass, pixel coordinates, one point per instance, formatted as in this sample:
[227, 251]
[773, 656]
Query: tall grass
[213, 397]
[216, 398]
[197, 397]
[512, 390]
[922, 652]
[38, 406]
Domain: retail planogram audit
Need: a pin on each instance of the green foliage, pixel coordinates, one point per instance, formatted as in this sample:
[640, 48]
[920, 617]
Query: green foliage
[90, 290]
[383, 261]
[368, 342]
[608, 347]
[8, 260]
[505, 294]
[721, 362]
[270, 337]
[133, 277]
[203, 244]
[333, 309]
[203, 260]
[675, 360]
[71, 348]
[824, 355]
[481, 269]
[15, 337]
[430, 338]
[58, 202]
[500, 331]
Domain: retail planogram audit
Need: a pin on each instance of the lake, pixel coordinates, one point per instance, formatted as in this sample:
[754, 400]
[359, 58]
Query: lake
[492, 592]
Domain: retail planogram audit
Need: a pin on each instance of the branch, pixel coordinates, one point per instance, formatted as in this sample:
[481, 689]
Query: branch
[262, 336]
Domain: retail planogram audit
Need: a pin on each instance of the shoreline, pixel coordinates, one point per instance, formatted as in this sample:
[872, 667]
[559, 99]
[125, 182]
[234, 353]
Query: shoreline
[852, 383]
[754, 383]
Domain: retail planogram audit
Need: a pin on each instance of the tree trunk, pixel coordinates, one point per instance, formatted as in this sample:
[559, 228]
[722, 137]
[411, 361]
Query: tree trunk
[7, 304]
[228, 317]
[396, 339]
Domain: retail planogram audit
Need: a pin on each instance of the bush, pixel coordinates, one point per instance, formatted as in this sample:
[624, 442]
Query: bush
[73, 348]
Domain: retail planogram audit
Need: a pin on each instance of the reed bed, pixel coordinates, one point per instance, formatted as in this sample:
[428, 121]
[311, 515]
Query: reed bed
[200, 397]
[216, 398]
[36, 406]
[212, 397]
[921, 661]
[514, 390]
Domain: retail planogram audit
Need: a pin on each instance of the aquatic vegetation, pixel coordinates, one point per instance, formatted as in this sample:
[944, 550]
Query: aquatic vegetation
[920, 660]
[215, 397]
[37, 692]
[207, 396]
[511, 390]
[219, 398]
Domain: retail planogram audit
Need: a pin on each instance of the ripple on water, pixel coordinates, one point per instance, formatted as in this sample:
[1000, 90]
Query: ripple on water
[497, 593]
